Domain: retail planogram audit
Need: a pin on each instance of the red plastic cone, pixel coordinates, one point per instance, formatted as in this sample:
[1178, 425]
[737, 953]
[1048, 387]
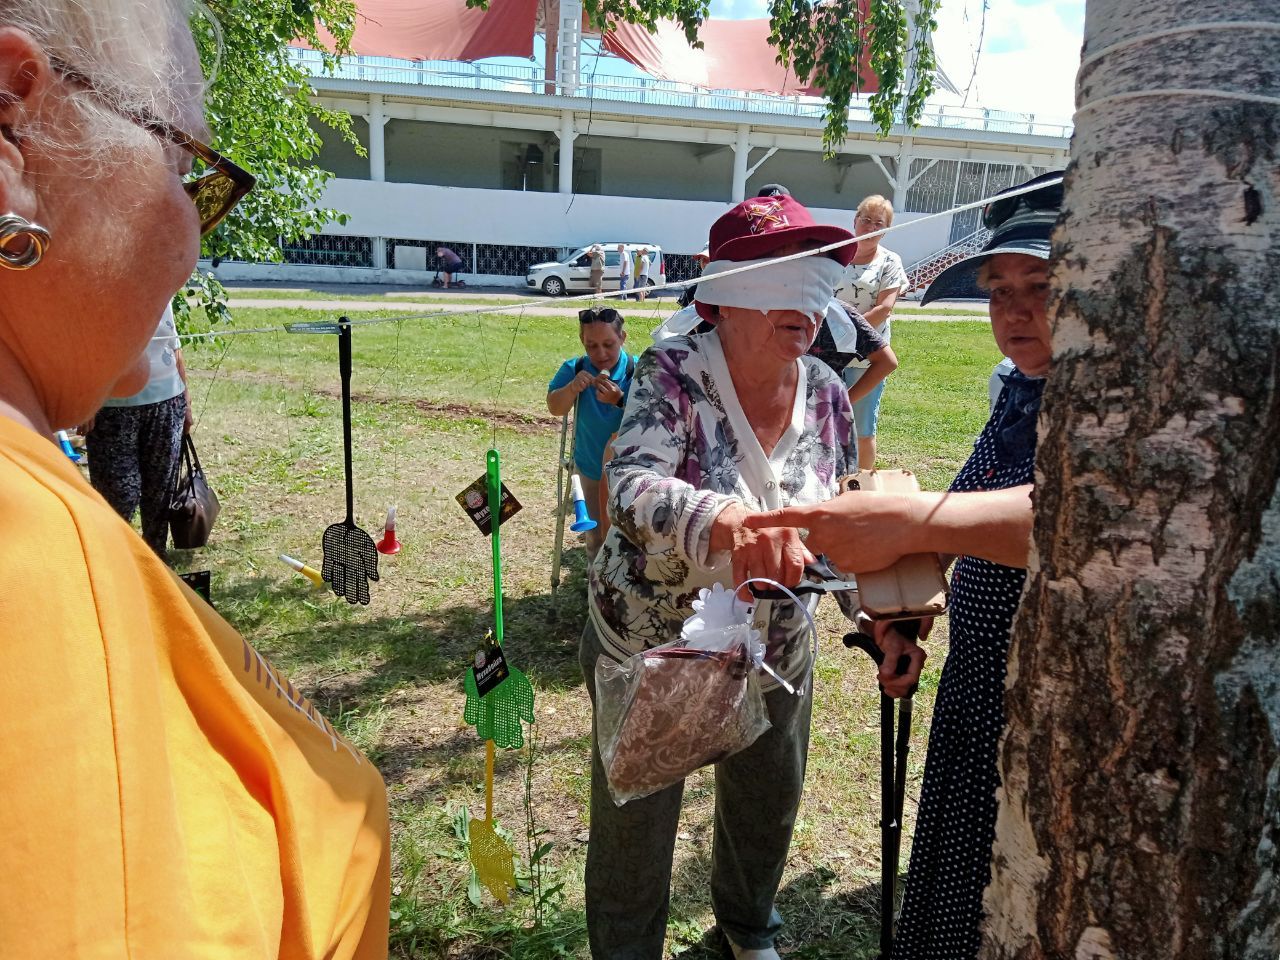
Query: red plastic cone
[389, 544]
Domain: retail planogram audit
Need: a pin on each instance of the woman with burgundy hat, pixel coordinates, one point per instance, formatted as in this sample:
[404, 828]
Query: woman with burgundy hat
[718, 426]
[985, 521]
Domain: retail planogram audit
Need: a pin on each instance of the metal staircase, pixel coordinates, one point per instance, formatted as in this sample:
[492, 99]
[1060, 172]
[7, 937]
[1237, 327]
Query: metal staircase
[922, 273]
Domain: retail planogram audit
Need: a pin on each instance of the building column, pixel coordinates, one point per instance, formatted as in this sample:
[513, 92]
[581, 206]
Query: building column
[377, 120]
[741, 152]
[902, 177]
[566, 135]
[377, 144]
[570, 52]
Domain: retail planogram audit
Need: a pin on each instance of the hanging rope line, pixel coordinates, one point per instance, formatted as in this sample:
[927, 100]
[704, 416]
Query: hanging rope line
[515, 334]
[625, 294]
[198, 419]
[1181, 92]
[1199, 29]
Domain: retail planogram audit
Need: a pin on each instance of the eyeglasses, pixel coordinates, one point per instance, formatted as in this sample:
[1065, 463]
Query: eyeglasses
[878, 224]
[1001, 209]
[214, 193]
[599, 315]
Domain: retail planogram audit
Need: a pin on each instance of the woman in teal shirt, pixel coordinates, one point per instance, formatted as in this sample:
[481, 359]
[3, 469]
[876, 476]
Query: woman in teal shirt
[595, 386]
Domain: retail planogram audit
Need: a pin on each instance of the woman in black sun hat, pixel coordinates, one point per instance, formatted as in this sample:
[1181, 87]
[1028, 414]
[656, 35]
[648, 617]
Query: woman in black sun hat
[984, 522]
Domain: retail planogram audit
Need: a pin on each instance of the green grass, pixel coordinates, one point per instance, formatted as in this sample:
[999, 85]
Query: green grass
[431, 396]
[443, 297]
[978, 310]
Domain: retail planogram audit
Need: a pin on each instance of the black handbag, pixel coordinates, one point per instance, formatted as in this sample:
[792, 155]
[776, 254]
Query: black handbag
[193, 507]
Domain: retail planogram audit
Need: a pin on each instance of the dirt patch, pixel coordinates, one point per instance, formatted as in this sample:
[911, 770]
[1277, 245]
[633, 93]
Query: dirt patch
[448, 410]
[520, 422]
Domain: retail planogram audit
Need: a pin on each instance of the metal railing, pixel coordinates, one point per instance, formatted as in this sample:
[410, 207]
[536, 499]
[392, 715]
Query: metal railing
[648, 90]
[924, 272]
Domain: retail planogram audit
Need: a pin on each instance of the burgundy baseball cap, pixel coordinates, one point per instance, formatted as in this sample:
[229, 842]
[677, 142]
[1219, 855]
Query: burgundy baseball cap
[755, 228]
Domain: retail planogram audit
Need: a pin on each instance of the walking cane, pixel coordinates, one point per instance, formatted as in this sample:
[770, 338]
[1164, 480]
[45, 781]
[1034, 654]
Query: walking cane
[893, 773]
[564, 497]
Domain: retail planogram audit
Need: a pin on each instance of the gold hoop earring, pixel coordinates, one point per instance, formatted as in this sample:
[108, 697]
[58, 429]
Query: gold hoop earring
[14, 227]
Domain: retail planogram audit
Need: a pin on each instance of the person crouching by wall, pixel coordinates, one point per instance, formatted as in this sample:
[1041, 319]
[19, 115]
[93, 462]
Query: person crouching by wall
[595, 387]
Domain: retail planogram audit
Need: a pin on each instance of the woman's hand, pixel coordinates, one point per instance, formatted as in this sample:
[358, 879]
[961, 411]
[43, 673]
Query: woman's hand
[866, 530]
[607, 391]
[859, 531]
[895, 646]
[561, 400]
[188, 418]
[776, 553]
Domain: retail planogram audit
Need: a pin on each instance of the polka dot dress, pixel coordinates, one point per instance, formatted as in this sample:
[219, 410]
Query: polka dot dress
[955, 824]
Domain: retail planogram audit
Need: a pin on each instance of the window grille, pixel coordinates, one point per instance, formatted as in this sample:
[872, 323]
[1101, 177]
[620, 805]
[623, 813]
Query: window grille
[325, 250]
[506, 260]
[933, 191]
[681, 266]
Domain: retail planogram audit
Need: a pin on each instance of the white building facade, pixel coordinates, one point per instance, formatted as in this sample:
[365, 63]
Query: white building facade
[509, 170]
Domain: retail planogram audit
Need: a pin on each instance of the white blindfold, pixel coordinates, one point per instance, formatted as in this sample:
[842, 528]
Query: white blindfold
[805, 284]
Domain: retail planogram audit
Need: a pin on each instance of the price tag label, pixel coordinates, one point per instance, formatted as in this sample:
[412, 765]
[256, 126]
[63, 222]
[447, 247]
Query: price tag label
[490, 668]
[317, 326]
[475, 501]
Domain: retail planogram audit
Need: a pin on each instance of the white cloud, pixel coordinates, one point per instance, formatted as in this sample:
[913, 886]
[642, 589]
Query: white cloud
[1030, 52]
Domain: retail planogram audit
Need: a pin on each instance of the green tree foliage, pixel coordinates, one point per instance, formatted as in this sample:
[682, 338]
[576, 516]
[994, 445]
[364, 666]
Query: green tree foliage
[258, 108]
[823, 43]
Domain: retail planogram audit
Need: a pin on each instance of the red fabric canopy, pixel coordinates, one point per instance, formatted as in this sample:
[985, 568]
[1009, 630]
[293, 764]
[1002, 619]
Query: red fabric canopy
[444, 29]
[736, 55]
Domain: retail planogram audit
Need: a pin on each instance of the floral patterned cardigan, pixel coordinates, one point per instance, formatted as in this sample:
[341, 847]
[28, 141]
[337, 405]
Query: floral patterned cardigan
[684, 452]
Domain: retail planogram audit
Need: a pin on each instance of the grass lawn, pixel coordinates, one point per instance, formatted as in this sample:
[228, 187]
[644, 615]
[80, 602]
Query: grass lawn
[497, 300]
[431, 397]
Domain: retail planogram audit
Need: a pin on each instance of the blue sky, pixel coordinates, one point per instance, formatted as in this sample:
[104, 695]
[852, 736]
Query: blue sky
[1030, 51]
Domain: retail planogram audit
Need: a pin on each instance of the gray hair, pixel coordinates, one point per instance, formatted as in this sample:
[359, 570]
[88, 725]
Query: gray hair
[136, 53]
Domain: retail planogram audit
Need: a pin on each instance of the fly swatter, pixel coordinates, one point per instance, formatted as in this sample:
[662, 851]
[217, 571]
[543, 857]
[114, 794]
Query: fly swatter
[497, 716]
[350, 556]
[490, 855]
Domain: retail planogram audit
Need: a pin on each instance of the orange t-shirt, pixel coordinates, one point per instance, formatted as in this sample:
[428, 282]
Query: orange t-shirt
[164, 792]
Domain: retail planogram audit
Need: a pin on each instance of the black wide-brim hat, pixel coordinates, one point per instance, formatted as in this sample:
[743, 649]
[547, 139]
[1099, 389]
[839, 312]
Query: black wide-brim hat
[1026, 230]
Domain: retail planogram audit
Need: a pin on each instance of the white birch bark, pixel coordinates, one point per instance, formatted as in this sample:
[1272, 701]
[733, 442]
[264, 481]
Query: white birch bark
[1140, 812]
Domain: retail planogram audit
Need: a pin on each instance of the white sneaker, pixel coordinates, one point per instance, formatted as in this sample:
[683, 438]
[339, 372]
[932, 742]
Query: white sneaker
[743, 953]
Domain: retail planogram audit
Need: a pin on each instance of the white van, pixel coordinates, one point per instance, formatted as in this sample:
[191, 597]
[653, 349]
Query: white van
[573, 273]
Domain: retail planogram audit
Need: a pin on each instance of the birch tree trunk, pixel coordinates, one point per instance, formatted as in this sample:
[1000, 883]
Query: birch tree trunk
[1140, 813]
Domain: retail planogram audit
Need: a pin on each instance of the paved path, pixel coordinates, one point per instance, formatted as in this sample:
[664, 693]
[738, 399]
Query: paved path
[659, 312]
[410, 306]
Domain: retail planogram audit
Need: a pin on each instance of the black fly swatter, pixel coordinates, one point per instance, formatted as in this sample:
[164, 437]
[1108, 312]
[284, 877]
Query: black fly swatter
[350, 556]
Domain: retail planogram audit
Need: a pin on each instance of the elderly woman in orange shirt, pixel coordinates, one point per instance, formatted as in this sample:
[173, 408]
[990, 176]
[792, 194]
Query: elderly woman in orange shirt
[167, 793]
